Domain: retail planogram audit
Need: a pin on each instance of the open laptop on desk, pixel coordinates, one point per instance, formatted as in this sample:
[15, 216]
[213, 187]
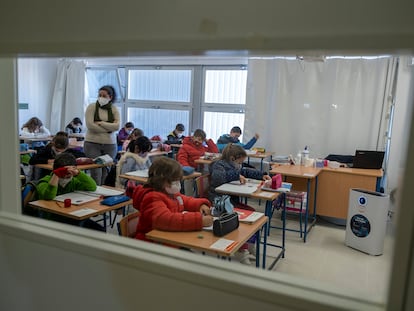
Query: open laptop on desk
[368, 159]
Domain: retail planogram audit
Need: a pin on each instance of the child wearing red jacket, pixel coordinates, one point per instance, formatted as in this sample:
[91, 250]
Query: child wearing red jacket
[194, 147]
[163, 207]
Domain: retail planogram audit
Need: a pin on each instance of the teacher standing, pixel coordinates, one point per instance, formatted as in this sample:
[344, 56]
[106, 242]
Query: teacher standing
[102, 122]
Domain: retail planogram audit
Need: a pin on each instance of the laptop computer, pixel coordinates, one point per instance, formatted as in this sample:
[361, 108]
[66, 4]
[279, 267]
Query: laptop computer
[368, 159]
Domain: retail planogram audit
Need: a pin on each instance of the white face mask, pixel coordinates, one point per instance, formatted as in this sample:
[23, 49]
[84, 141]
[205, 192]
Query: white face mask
[64, 181]
[103, 101]
[174, 188]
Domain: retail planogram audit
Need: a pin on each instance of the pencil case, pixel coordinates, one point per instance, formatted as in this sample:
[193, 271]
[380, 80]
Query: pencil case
[225, 224]
[116, 199]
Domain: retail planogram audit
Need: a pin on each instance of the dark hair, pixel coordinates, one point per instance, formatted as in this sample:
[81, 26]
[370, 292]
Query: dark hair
[33, 124]
[180, 127]
[200, 133]
[64, 159]
[236, 129]
[61, 140]
[77, 121]
[136, 132]
[110, 90]
[233, 152]
[141, 144]
[163, 170]
[129, 125]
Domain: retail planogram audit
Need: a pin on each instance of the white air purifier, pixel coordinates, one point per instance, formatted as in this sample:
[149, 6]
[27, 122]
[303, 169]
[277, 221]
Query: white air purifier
[367, 221]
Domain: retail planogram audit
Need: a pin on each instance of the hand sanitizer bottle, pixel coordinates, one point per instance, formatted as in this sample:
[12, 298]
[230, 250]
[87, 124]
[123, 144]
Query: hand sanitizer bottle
[305, 155]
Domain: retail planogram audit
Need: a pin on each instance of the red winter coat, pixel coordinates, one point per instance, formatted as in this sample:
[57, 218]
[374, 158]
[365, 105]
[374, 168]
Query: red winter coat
[189, 151]
[161, 211]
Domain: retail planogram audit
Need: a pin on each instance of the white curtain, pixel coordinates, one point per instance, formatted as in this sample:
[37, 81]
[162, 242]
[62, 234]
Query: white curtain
[69, 94]
[333, 107]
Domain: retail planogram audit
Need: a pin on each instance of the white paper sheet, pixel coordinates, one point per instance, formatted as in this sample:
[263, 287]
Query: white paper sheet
[239, 188]
[221, 244]
[139, 173]
[76, 197]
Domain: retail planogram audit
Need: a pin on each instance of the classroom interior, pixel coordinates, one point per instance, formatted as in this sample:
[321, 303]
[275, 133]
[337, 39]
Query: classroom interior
[323, 263]
[325, 249]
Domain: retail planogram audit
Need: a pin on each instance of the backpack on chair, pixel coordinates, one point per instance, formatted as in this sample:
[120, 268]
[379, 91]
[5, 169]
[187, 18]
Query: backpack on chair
[29, 193]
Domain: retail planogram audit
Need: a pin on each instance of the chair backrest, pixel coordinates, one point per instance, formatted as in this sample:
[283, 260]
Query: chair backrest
[29, 193]
[202, 186]
[127, 226]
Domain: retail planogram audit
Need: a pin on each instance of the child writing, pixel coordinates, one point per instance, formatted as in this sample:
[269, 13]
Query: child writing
[163, 207]
[229, 168]
[136, 158]
[136, 133]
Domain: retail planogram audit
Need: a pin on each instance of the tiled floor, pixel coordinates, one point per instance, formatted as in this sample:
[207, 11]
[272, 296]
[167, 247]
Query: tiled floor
[325, 258]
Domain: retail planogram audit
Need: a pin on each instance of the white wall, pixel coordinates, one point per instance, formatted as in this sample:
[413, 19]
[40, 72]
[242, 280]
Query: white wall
[35, 86]
[401, 125]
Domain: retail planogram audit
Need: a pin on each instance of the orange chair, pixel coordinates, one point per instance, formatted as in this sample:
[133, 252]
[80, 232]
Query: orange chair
[202, 184]
[127, 226]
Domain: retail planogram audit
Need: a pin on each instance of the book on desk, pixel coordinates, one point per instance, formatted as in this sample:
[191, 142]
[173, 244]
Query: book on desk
[79, 197]
[247, 216]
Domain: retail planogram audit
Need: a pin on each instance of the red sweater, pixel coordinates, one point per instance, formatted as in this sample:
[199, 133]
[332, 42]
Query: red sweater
[160, 211]
[189, 151]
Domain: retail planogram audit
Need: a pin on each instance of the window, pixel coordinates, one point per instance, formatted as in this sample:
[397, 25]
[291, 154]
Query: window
[156, 98]
[224, 99]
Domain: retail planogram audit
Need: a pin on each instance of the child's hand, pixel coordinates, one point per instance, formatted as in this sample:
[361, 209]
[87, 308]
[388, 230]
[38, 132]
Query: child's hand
[73, 170]
[256, 136]
[266, 177]
[207, 220]
[242, 179]
[205, 210]
[61, 172]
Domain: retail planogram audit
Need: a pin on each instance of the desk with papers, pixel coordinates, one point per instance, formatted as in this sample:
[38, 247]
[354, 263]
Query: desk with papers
[252, 189]
[205, 241]
[84, 210]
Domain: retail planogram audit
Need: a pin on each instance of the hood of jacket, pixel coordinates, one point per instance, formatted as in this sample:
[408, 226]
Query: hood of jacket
[123, 159]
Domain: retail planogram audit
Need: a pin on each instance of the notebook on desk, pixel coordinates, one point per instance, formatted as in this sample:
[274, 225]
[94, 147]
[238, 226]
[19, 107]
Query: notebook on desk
[368, 159]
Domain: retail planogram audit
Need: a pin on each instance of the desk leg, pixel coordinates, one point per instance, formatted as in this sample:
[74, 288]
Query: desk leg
[266, 225]
[307, 207]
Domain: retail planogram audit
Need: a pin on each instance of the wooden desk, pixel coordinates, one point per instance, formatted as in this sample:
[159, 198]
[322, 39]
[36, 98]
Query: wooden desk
[259, 155]
[330, 188]
[77, 135]
[269, 197]
[143, 180]
[73, 143]
[310, 174]
[94, 208]
[49, 166]
[192, 240]
[334, 186]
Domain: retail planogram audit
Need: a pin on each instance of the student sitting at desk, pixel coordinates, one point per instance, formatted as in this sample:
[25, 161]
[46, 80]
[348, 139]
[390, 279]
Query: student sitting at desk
[124, 133]
[66, 178]
[34, 127]
[163, 207]
[229, 168]
[58, 145]
[176, 136]
[74, 127]
[136, 158]
[233, 137]
[136, 133]
[194, 147]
